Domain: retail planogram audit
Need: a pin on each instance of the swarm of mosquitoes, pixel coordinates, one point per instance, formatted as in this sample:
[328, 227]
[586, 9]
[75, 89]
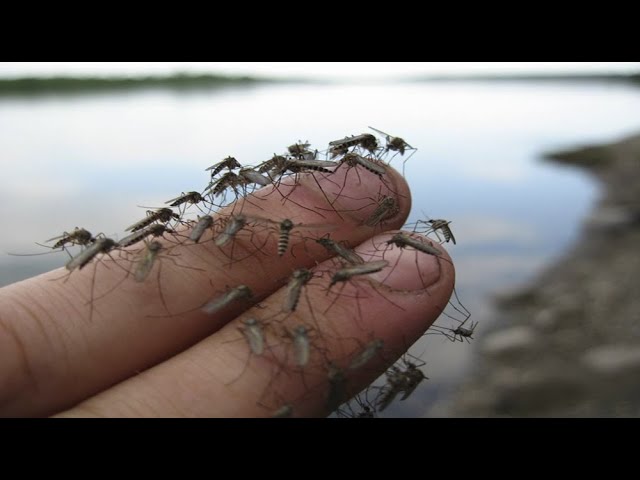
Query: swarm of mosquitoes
[220, 212]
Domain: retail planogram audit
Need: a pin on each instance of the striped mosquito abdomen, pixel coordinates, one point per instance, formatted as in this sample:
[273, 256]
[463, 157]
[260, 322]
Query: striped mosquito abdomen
[156, 230]
[365, 140]
[338, 150]
[443, 226]
[229, 179]
[160, 215]
[301, 166]
[190, 197]
[79, 236]
[229, 162]
[101, 245]
[353, 160]
[276, 165]
[203, 224]
[346, 142]
[299, 279]
[285, 234]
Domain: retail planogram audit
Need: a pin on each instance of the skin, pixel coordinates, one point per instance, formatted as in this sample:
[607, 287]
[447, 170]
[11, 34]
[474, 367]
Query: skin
[123, 355]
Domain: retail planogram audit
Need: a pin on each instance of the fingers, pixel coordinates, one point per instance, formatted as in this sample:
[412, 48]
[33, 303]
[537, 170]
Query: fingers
[66, 337]
[222, 377]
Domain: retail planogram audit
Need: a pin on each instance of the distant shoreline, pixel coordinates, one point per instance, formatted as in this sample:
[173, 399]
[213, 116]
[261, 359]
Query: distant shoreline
[66, 85]
[632, 78]
[78, 85]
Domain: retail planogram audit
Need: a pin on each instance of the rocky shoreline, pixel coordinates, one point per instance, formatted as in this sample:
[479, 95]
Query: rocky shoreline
[569, 345]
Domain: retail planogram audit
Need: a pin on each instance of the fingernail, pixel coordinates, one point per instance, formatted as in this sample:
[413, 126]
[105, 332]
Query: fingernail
[356, 193]
[408, 269]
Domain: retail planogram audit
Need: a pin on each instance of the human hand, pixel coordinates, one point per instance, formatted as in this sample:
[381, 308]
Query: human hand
[123, 355]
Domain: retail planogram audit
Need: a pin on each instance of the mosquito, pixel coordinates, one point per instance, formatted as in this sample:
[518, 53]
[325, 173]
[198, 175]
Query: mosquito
[301, 345]
[146, 262]
[369, 351]
[338, 150]
[353, 160]
[343, 252]
[274, 166]
[230, 162]
[251, 176]
[285, 411]
[253, 333]
[443, 226]
[458, 334]
[278, 166]
[302, 166]
[366, 410]
[396, 382]
[241, 292]
[414, 377]
[363, 269]
[202, 225]
[100, 245]
[157, 230]
[365, 140]
[229, 179]
[189, 197]
[396, 144]
[387, 208]
[299, 279]
[401, 240]
[237, 183]
[163, 215]
[300, 150]
[285, 228]
[401, 381]
[79, 236]
[234, 224]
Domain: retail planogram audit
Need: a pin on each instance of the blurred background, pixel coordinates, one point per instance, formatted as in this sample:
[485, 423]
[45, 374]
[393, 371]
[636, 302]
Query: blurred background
[83, 144]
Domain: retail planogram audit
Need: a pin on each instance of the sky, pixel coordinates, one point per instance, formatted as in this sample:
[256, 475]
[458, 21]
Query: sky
[322, 70]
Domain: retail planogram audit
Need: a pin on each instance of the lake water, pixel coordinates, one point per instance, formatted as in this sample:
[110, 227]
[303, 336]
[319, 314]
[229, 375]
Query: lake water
[89, 160]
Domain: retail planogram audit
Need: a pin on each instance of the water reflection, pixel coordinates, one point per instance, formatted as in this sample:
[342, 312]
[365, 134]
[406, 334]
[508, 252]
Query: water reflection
[89, 161]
